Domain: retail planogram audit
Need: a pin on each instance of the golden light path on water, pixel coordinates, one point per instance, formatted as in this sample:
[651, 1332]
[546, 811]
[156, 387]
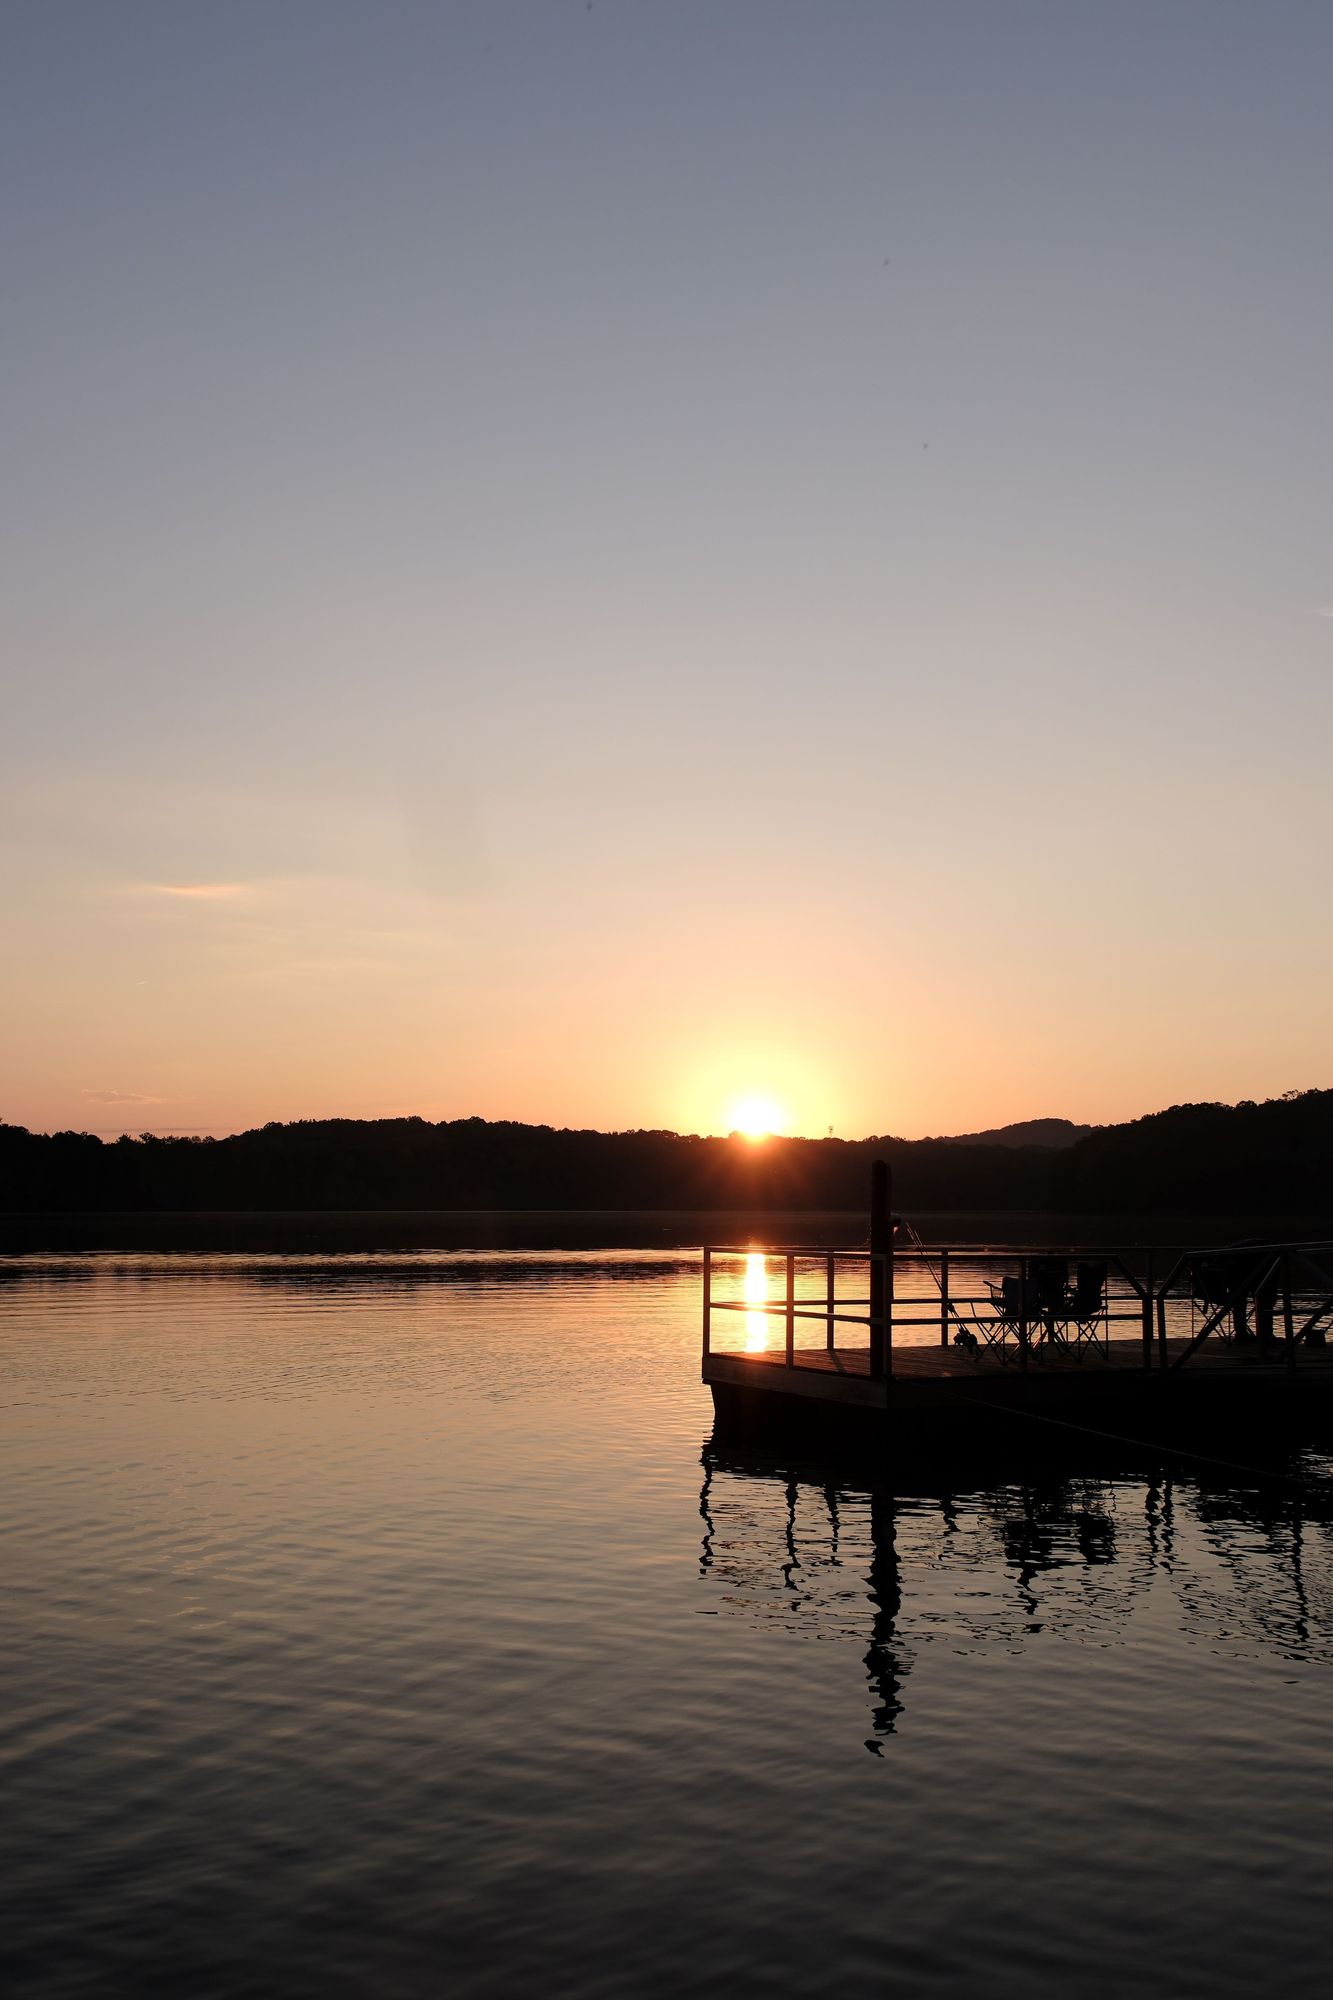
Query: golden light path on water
[756, 1291]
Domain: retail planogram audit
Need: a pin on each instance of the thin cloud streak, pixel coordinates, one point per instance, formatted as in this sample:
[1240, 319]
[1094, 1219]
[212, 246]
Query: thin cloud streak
[206, 891]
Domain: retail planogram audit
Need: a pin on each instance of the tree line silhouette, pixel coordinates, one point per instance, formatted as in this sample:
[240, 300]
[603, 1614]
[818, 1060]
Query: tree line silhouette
[1274, 1157]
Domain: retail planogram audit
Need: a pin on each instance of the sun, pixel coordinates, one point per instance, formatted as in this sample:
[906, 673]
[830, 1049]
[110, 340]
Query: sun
[755, 1116]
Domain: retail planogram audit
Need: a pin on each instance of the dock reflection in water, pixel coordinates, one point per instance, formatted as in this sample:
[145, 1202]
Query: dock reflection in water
[1064, 1554]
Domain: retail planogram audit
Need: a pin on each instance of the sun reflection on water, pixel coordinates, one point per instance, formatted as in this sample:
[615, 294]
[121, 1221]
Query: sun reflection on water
[756, 1291]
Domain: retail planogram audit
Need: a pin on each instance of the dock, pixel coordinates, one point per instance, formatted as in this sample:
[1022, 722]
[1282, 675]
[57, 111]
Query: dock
[896, 1342]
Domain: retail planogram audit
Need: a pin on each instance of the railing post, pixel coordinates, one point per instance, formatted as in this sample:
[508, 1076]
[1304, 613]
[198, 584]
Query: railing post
[791, 1310]
[944, 1298]
[1023, 1318]
[1161, 1328]
[1288, 1327]
[829, 1289]
[1147, 1315]
[888, 1305]
[708, 1298]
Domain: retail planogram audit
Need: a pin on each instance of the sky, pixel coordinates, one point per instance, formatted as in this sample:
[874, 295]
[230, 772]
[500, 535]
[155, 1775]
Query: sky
[587, 563]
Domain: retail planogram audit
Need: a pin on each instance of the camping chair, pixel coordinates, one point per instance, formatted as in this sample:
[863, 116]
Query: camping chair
[1049, 1302]
[1085, 1307]
[1214, 1280]
[1011, 1314]
[1211, 1283]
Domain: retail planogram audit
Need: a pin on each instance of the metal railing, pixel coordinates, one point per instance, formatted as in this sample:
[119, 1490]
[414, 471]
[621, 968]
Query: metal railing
[832, 1310]
[1218, 1291]
[1243, 1287]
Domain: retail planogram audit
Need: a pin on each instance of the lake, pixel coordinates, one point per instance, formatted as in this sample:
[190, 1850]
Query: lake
[389, 1624]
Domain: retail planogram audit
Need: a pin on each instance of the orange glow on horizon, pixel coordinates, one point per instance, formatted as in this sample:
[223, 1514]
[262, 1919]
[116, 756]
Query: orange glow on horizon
[755, 1116]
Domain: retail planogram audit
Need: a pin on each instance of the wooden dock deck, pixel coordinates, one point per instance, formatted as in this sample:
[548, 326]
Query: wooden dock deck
[935, 1364]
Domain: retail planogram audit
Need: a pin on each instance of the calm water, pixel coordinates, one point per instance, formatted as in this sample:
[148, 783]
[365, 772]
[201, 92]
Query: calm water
[392, 1627]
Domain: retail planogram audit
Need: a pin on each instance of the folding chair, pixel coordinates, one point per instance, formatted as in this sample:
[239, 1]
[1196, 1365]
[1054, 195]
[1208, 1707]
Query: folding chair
[1214, 1280]
[1048, 1278]
[1008, 1313]
[1085, 1307]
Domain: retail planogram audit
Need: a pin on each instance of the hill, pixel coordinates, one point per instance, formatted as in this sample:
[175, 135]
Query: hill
[1054, 1132]
[1250, 1158]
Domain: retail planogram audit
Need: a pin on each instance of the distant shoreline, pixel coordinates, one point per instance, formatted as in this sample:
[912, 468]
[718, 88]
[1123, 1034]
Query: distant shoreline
[399, 1231]
[1204, 1160]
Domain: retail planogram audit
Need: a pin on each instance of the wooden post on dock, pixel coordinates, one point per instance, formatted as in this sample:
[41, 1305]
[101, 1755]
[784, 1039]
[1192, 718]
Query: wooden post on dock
[791, 1310]
[1147, 1315]
[829, 1295]
[881, 1253]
